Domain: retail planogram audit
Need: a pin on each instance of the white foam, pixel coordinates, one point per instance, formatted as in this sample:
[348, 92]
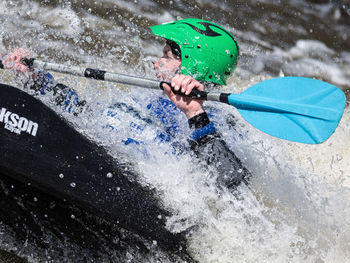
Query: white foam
[309, 58]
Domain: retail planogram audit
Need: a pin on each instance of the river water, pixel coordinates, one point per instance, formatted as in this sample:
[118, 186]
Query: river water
[296, 207]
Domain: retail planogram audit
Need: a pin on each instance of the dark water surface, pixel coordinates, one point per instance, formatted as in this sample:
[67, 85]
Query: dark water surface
[298, 209]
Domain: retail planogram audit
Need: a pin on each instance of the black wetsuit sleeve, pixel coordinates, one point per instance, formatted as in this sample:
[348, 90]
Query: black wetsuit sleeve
[209, 147]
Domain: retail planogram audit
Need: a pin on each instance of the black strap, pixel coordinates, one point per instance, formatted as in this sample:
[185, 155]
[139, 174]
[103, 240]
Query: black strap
[199, 121]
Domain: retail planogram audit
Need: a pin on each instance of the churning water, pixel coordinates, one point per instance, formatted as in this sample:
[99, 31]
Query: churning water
[296, 207]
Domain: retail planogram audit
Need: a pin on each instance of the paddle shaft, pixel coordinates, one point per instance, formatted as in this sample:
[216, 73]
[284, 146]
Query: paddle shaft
[119, 78]
[247, 102]
[237, 100]
[292, 108]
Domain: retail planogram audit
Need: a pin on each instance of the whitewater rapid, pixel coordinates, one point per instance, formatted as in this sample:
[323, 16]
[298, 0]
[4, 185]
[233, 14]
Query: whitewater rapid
[296, 205]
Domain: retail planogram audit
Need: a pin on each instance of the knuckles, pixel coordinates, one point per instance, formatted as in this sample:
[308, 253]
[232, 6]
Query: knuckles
[13, 60]
[185, 83]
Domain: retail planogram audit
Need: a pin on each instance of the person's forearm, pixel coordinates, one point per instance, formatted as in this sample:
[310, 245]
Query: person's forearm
[209, 147]
[62, 95]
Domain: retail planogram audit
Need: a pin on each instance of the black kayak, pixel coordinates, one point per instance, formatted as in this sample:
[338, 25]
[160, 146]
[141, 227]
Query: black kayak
[40, 148]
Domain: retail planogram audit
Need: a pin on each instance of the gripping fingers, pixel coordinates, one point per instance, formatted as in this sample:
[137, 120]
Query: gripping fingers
[194, 84]
[176, 82]
[190, 87]
[185, 83]
[13, 60]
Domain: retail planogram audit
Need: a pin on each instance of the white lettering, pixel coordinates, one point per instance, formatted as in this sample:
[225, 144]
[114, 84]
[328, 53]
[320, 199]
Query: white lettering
[12, 129]
[14, 119]
[7, 115]
[23, 124]
[14, 123]
[32, 128]
[2, 114]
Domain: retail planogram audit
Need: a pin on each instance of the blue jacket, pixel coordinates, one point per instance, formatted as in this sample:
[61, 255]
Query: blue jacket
[204, 141]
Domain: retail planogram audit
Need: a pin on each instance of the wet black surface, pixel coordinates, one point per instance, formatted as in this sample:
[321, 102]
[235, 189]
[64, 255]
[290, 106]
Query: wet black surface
[61, 230]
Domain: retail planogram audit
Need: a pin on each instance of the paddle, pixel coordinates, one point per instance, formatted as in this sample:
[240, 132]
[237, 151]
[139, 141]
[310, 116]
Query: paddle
[293, 108]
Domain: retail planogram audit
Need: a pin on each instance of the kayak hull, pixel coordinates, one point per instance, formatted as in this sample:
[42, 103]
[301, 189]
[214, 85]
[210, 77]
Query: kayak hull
[40, 148]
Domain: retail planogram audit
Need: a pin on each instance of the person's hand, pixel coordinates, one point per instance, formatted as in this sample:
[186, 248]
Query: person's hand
[191, 107]
[13, 59]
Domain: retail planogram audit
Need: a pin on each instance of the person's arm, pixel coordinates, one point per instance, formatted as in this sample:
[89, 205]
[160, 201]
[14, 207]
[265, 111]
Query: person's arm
[43, 82]
[206, 143]
[63, 95]
[209, 147]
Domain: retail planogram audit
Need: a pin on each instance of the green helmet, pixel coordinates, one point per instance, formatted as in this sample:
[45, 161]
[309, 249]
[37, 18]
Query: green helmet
[208, 51]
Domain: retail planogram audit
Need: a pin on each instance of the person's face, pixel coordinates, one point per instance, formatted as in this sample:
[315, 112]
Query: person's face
[167, 65]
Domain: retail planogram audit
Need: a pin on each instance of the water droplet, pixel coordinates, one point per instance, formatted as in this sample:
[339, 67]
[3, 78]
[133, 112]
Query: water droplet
[109, 175]
[35, 199]
[61, 176]
[72, 216]
[88, 39]
[73, 184]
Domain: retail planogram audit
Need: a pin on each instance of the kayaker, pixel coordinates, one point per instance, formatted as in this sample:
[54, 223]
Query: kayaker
[198, 55]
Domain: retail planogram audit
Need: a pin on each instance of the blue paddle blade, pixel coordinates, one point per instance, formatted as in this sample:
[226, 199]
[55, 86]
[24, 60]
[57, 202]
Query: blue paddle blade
[293, 108]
